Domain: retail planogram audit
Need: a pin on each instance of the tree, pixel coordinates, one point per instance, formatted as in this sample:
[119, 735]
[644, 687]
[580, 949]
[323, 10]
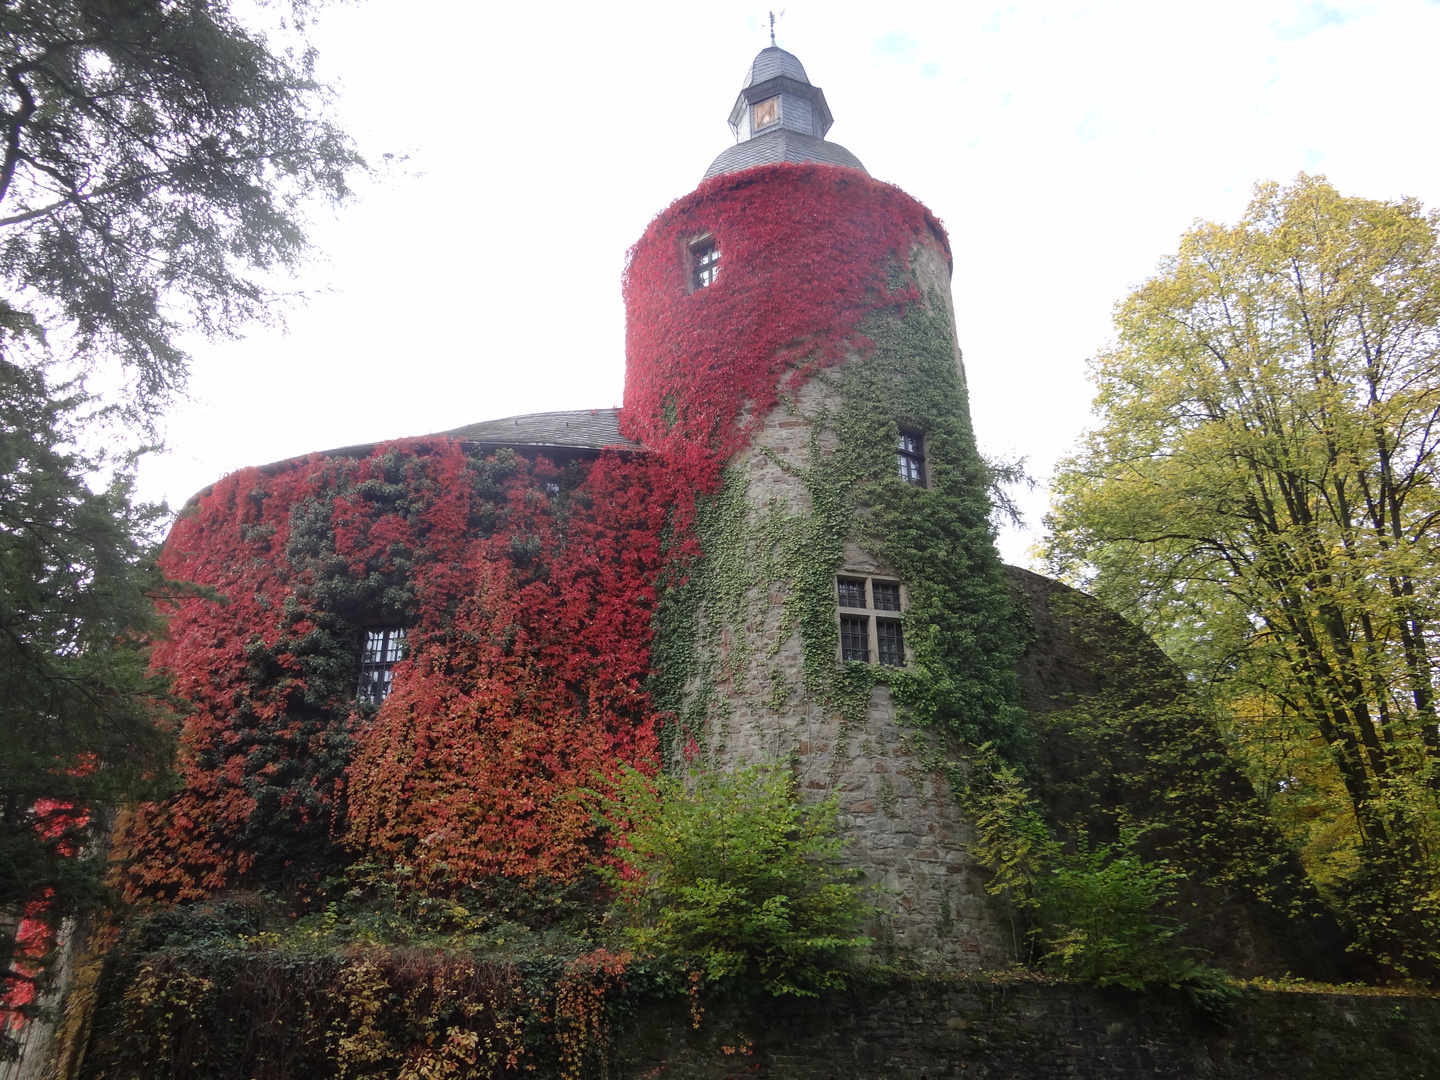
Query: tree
[1261, 491]
[156, 157]
[80, 717]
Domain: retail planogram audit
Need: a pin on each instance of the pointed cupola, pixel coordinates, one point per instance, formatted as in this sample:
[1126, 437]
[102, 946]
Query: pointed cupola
[778, 117]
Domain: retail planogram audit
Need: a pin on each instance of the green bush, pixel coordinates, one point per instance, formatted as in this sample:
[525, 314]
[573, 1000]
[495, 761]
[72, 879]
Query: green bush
[1099, 918]
[732, 877]
[1097, 912]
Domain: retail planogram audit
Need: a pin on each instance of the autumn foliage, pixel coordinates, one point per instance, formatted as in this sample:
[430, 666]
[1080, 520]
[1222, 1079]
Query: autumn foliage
[807, 252]
[528, 590]
[529, 613]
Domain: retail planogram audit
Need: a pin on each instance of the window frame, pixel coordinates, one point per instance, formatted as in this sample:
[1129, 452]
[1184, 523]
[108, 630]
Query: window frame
[916, 457]
[872, 615]
[695, 251]
[755, 109]
[392, 651]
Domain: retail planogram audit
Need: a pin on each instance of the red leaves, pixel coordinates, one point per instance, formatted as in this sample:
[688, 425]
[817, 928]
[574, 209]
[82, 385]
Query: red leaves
[530, 615]
[524, 683]
[473, 765]
[806, 252]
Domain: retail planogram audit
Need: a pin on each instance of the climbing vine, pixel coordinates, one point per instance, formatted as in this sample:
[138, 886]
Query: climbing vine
[528, 592]
[840, 305]
[964, 628]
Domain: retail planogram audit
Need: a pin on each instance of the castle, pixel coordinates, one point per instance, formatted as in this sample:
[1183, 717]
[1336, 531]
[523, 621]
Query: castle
[778, 550]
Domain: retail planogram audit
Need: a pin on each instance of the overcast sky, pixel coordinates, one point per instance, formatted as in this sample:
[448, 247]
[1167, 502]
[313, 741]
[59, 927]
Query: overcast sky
[1066, 146]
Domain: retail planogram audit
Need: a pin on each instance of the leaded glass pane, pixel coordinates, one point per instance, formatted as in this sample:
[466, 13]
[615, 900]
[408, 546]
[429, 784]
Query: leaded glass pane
[891, 641]
[854, 639]
[912, 458]
[706, 260]
[377, 663]
[887, 595]
[851, 592]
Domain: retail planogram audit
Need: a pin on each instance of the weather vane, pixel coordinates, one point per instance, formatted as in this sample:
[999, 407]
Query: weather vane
[773, 17]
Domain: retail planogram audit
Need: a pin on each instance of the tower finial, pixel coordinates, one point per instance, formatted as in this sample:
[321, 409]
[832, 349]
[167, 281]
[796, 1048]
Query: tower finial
[773, 17]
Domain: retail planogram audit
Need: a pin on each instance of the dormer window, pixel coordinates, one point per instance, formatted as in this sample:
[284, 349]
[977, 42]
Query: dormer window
[764, 113]
[912, 457]
[704, 263]
[377, 663]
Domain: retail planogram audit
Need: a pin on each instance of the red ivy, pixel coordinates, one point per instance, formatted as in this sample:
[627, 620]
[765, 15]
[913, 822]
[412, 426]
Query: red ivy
[532, 691]
[805, 255]
[530, 647]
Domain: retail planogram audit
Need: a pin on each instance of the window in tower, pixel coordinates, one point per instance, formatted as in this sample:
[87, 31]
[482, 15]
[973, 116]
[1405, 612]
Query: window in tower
[704, 263]
[912, 457]
[854, 639]
[866, 633]
[891, 642]
[377, 663]
[764, 113]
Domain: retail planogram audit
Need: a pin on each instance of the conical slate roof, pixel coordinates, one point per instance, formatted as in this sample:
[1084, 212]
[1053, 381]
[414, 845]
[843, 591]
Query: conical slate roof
[779, 116]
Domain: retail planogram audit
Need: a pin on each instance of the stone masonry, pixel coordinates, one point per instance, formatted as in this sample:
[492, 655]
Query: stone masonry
[904, 828]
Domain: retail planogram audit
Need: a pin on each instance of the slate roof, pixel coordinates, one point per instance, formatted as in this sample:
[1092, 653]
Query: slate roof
[575, 429]
[781, 145]
[579, 431]
[773, 62]
[799, 124]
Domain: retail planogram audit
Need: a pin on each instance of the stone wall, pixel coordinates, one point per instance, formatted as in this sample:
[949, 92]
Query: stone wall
[978, 1028]
[904, 827]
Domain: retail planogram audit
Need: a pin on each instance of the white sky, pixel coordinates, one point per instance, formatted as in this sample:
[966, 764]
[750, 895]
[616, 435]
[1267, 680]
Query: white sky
[1065, 145]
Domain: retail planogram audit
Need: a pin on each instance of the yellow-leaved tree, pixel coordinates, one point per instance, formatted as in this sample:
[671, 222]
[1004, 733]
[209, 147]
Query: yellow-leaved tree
[1261, 494]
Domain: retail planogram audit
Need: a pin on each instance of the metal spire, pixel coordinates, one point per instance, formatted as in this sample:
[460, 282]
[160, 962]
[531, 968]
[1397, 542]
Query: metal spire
[773, 17]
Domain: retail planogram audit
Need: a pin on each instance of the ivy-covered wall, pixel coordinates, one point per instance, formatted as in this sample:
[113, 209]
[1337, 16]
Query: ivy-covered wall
[834, 330]
[527, 591]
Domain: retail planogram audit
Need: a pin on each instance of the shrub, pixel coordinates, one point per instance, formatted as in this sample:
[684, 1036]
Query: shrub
[732, 877]
[1097, 912]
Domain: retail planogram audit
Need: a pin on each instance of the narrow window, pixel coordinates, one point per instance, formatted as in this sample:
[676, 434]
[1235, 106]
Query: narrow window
[890, 642]
[866, 634]
[912, 458]
[704, 263]
[377, 663]
[854, 638]
[764, 113]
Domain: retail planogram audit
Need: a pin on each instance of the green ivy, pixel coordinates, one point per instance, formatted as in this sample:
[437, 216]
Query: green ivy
[965, 631]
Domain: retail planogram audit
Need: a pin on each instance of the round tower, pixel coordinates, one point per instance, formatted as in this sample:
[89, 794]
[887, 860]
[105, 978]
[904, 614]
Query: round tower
[791, 345]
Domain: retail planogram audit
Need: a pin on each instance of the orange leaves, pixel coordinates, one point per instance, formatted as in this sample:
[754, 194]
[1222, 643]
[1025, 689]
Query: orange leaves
[529, 646]
[474, 765]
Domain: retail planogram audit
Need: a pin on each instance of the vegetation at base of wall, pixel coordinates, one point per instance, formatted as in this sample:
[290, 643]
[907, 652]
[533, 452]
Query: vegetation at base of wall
[1095, 913]
[375, 985]
[728, 885]
[1137, 770]
[733, 877]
